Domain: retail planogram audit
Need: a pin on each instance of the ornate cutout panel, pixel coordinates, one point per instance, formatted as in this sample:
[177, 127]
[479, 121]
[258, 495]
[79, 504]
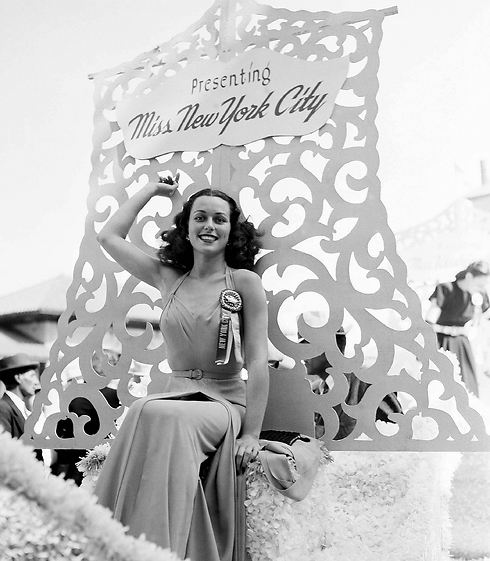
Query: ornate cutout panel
[339, 304]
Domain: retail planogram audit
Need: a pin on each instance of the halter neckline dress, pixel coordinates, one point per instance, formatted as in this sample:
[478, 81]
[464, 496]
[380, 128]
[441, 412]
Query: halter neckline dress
[150, 479]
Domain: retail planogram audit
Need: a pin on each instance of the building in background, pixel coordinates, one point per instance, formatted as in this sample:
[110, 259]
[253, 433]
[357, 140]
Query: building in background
[29, 319]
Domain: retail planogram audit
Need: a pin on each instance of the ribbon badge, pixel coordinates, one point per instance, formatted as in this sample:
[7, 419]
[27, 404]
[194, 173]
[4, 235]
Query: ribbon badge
[229, 328]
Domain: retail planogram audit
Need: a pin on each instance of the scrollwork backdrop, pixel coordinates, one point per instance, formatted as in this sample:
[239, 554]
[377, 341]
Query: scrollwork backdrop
[329, 261]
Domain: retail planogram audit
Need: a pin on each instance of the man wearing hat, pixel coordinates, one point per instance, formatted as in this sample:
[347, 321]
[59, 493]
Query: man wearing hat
[19, 374]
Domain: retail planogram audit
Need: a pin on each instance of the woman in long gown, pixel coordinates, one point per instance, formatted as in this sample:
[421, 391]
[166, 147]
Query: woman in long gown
[215, 315]
[452, 313]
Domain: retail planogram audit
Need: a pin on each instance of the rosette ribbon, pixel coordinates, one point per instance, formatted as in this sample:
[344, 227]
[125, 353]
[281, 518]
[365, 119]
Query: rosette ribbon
[229, 326]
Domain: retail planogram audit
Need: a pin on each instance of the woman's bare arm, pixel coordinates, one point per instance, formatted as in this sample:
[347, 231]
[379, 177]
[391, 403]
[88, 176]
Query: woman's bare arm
[113, 235]
[433, 312]
[255, 344]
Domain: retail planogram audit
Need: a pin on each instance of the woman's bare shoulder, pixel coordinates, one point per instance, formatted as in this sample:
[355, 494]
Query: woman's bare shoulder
[168, 276]
[244, 275]
[246, 280]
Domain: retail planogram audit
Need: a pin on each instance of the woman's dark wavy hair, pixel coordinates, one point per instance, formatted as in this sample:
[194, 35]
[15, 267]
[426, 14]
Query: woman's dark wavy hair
[243, 243]
[477, 269]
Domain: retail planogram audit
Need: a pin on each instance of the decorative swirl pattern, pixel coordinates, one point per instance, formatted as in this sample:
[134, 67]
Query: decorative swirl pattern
[329, 258]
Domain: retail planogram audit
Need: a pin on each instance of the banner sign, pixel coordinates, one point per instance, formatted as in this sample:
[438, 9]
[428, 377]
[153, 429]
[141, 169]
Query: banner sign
[255, 95]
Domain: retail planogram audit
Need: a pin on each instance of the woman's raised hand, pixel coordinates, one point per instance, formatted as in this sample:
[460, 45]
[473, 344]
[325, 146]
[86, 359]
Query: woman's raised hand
[166, 186]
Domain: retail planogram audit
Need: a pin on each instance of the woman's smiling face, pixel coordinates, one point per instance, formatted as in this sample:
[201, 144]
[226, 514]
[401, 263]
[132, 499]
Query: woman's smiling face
[209, 224]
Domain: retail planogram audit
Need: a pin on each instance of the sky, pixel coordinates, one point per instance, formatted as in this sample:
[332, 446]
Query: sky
[433, 119]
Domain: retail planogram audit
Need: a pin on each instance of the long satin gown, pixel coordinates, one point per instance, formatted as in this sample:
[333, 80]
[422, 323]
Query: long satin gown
[151, 478]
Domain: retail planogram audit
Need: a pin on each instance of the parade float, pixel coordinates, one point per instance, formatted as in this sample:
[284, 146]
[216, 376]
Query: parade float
[277, 108]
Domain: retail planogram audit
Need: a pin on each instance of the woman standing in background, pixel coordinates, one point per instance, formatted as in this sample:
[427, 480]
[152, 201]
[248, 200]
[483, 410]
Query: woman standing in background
[454, 308]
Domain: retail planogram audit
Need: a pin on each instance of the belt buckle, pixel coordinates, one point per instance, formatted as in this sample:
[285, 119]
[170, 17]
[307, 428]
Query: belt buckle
[196, 374]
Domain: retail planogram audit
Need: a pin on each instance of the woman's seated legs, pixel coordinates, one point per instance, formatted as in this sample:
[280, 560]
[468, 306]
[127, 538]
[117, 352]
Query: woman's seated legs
[170, 440]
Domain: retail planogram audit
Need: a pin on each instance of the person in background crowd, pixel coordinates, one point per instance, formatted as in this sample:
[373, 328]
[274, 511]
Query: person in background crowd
[215, 314]
[140, 378]
[456, 307]
[20, 375]
[67, 458]
[278, 360]
[317, 369]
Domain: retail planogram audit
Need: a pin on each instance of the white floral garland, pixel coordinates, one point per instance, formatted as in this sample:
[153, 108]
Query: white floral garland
[45, 517]
[470, 507]
[91, 465]
[369, 506]
[364, 506]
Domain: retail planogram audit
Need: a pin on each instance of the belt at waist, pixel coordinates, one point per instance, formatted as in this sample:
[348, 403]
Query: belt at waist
[198, 374]
[453, 330]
